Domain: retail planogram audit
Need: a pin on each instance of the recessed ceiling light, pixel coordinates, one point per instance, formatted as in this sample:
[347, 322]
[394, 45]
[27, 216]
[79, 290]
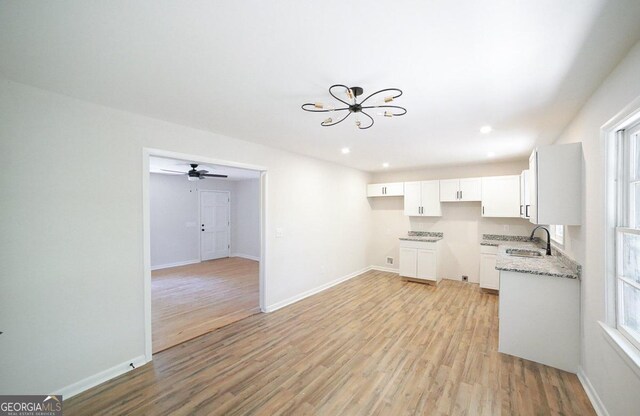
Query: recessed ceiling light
[385, 165]
[345, 150]
[485, 129]
[491, 154]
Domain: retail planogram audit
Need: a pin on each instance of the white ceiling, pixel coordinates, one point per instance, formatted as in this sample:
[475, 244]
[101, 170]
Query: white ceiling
[162, 164]
[243, 68]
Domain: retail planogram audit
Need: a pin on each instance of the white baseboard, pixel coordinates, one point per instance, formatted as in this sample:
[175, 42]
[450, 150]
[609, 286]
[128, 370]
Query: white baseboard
[597, 404]
[303, 295]
[246, 256]
[92, 381]
[384, 269]
[176, 264]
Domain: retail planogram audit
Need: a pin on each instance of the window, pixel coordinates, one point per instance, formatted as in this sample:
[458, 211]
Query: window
[557, 234]
[627, 249]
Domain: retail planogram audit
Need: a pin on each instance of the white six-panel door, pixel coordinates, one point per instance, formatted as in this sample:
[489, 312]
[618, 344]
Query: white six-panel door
[214, 225]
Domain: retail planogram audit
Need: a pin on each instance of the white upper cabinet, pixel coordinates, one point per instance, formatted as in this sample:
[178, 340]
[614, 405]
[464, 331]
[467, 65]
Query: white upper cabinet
[385, 189]
[456, 190]
[555, 184]
[501, 196]
[525, 196]
[449, 190]
[471, 189]
[422, 199]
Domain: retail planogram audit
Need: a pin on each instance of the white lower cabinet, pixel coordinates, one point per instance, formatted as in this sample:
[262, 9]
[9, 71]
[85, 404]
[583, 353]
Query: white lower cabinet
[420, 260]
[489, 276]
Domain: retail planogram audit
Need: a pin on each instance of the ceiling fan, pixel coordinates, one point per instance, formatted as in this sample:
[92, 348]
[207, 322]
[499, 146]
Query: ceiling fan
[196, 175]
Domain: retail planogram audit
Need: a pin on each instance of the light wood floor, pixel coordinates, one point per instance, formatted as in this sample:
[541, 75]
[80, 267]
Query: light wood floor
[375, 345]
[189, 301]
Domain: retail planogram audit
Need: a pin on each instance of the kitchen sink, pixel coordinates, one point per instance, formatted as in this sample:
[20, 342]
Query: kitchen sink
[519, 252]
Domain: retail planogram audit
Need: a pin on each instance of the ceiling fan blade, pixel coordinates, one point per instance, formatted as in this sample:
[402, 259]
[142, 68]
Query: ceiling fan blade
[201, 172]
[211, 175]
[174, 171]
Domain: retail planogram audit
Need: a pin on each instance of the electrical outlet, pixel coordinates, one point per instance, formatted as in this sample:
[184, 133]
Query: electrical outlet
[465, 278]
[389, 260]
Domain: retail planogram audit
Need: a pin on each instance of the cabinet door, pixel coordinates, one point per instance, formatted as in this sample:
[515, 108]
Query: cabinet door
[449, 190]
[394, 189]
[525, 199]
[533, 188]
[430, 191]
[412, 198]
[501, 196]
[408, 262]
[426, 264]
[471, 189]
[489, 276]
[375, 189]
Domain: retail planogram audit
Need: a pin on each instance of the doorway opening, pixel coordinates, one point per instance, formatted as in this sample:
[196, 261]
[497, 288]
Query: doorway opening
[204, 246]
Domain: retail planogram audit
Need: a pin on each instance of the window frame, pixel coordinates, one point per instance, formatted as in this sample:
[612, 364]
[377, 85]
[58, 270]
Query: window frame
[627, 141]
[557, 238]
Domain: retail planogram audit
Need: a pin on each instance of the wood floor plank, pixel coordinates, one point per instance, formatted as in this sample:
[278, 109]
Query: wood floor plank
[189, 301]
[374, 345]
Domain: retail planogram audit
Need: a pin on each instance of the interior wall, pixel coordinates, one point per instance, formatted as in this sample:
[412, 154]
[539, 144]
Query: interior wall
[614, 381]
[461, 222]
[71, 251]
[174, 217]
[245, 240]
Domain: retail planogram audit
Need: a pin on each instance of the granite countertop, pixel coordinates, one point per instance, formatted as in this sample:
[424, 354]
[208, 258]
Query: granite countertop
[556, 265]
[425, 236]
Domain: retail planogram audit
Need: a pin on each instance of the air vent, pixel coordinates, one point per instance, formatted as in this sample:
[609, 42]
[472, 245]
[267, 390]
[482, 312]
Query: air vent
[389, 260]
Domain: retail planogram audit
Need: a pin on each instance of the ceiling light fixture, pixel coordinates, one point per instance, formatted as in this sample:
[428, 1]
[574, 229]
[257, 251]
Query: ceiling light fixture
[352, 105]
[385, 165]
[491, 154]
[345, 150]
[486, 129]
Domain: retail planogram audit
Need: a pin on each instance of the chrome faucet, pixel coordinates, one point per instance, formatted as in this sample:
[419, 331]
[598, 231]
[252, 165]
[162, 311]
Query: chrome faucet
[548, 238]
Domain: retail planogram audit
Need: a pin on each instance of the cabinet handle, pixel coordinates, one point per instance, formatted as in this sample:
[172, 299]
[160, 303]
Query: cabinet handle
[526, 211]
[483, 210]
[460, 194]
[521, 210]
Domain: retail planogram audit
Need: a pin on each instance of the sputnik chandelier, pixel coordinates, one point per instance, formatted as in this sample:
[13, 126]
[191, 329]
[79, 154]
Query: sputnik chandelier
[352, 106]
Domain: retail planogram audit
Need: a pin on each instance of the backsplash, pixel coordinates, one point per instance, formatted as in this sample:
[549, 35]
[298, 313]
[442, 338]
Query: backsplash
[425, 234]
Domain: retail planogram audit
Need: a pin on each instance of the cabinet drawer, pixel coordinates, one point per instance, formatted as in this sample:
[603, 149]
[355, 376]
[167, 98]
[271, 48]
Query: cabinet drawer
[419, 244]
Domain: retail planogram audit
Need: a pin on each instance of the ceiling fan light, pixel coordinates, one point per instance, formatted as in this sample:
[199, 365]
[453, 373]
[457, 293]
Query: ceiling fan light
[388, 114]
[318, 105]
[327, 121]
[193, 178]
[349, 93]
[358, 123]
[388, 99]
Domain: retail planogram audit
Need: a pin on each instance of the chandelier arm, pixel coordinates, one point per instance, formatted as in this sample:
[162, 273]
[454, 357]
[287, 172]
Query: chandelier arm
[389, 106]
[334, 96]
[399, 93]
[321, 111]
[370, 118]
[337, 122]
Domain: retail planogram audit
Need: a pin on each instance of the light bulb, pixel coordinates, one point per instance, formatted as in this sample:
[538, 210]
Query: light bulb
[388, 114]
[486, 129]
[385, 165]
[349, 93]
[318, 105]
[388, 99]
[358, 123]
[327, 121]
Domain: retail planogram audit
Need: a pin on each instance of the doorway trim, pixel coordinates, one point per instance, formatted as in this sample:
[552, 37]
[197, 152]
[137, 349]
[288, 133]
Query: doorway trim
[200, 191]
[146, 229]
